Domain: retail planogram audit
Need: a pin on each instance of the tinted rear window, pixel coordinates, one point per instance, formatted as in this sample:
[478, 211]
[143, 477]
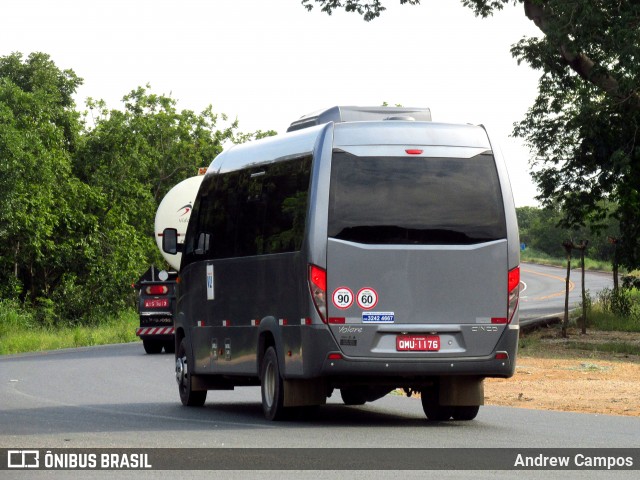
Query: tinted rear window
[415, 200]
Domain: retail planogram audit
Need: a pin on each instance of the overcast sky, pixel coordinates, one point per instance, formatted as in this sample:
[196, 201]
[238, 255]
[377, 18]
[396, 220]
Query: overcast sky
[267, 62]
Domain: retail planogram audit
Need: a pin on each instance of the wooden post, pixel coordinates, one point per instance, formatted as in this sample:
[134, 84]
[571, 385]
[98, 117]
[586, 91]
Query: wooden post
[568, 245]
[582, 247]
[615, 241]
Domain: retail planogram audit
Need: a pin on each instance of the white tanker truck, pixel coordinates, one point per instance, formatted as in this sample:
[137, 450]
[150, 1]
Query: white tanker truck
[156, 288]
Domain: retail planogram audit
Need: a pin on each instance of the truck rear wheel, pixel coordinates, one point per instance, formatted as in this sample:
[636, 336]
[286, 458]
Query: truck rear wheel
[169, 346]
[188, 396]
[151, 346]
[272, 386]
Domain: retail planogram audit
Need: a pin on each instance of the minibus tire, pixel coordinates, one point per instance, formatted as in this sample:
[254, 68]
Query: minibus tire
[465, 412]
[437, 413]
[352, 396]
[188, 397]
[432, 409]
[271, 386]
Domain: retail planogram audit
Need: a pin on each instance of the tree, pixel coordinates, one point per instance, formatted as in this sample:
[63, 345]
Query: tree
[131, 158]
[77, 204]
[584, 122]
[583, 127]
[39, 128]
[542, 230]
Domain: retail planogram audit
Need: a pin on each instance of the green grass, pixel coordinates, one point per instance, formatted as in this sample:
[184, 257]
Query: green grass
[611, 322]
[618, 313]
[20, 333]
[536, 256]
[611, 311]
[609, 347]
[529, 343]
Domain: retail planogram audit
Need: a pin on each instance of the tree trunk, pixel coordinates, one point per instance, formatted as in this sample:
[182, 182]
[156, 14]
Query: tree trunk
[584, 304]
[567, 246]
[615, 265]
[15, 262]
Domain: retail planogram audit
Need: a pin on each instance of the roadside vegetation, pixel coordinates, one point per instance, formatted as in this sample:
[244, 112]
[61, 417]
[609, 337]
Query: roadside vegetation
[21, 331]
[547, 342]
[542, 235]
[613, 329]
[615, 310]
[531, 255]
[80, 188]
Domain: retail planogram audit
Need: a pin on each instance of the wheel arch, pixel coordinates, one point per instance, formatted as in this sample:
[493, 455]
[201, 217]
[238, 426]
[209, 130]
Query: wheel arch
[179, 335]
[270, 336]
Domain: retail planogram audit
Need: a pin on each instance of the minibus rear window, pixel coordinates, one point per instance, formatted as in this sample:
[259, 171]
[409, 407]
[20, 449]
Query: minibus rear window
[415, 200]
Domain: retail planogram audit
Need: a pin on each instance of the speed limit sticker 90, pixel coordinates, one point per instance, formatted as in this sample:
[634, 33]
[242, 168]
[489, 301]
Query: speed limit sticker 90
[367, 298]
[342, 298]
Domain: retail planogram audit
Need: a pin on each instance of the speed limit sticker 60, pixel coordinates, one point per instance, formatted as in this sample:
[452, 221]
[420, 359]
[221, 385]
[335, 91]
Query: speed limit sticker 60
[342, 298]
[367, 298]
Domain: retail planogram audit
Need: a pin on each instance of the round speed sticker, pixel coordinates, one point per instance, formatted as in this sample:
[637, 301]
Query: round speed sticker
[342, 298]
[367, 298]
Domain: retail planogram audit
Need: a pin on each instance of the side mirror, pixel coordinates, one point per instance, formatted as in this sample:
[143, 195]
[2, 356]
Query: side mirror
[170, 241]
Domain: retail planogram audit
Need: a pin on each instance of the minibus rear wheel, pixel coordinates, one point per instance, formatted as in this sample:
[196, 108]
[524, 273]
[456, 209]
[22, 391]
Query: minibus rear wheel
[465, 412]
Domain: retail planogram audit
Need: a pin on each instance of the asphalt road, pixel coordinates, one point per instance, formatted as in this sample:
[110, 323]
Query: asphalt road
[542, 290]
[117, 396]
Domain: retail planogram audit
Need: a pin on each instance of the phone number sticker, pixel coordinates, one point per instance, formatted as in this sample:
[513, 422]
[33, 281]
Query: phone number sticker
[378, 317]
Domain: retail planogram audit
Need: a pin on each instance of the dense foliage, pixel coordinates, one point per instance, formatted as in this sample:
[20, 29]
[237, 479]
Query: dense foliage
[583, 127]
[541, 229]
[79, 192]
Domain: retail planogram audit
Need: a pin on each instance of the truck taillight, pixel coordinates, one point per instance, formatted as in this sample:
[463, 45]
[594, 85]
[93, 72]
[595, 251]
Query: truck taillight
[513, 291]
[318, 288]
[157, 290]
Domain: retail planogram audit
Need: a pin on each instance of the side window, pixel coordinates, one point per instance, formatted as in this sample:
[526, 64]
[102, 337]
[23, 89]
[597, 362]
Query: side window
[272, 207]
[255, 211]
[286, 192]
[222, 216]
[198, 237]
[203, 243]
[250, 214]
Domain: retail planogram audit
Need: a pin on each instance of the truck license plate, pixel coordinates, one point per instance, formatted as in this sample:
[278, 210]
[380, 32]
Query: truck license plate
[156, 302]
[417, 343]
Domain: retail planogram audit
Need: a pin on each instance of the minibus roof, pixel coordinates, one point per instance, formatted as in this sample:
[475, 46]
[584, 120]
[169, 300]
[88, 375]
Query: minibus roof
[360, 114]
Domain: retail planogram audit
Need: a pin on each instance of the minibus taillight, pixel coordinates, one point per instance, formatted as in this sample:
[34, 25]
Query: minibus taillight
[318, 288]
[514, 291]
